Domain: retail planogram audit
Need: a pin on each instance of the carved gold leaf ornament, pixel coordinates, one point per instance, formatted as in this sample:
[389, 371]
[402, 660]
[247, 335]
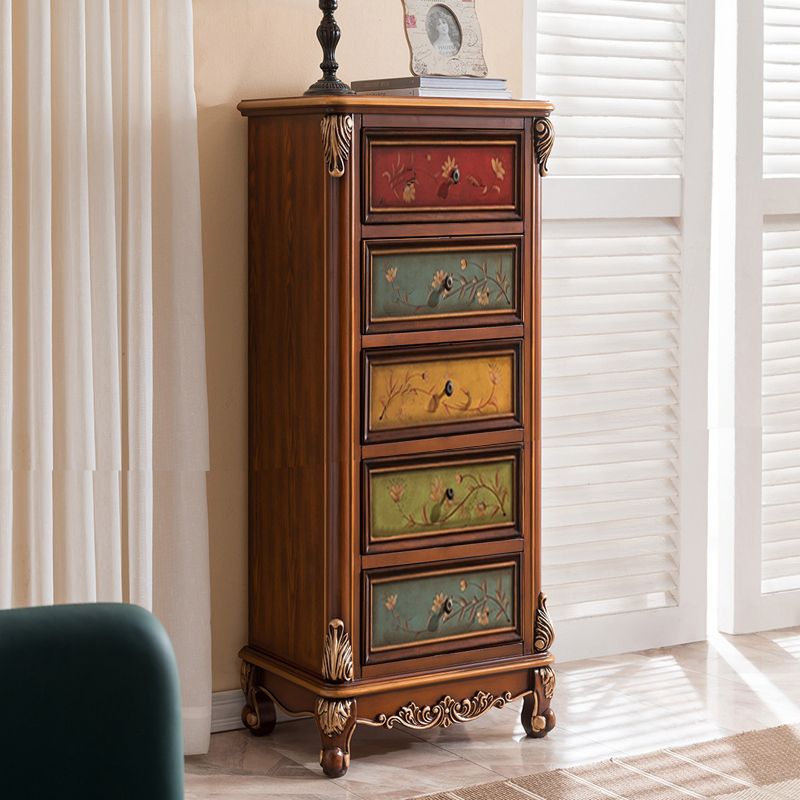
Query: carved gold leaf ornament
[333, 715]
[337, 657]
[337, 140]
[547, 678]
[548, 682]
[544, 633]
[543, 141]
[444, 713]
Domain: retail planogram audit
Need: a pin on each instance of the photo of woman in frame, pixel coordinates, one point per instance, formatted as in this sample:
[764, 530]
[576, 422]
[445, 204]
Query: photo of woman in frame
[443, 31]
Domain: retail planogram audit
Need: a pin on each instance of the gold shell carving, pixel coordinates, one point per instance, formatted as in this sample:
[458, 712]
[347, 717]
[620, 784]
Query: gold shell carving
[446, 712]
[337, 658]
[543, 140]
[544, 633]
[548, 682]
[245, 677]
[333, 715]
[337, 139]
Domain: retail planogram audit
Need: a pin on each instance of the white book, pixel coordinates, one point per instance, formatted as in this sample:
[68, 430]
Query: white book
[475, 94]
[430, 82]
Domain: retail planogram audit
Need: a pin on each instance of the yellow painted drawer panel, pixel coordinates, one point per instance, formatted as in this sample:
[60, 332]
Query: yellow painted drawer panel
[458, 387]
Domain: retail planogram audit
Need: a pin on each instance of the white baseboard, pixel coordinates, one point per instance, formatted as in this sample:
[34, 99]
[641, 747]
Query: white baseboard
[226, 711]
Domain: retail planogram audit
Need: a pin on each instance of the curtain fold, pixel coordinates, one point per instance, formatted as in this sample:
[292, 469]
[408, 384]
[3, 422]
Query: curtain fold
[103, 404]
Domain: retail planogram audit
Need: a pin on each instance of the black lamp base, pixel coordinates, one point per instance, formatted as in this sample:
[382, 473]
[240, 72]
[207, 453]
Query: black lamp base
[328, 35]
[329, 86]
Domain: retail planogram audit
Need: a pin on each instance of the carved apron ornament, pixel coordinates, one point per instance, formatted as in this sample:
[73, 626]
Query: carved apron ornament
[446, 712]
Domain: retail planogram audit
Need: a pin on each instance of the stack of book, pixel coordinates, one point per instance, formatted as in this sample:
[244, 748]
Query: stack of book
[436, 86]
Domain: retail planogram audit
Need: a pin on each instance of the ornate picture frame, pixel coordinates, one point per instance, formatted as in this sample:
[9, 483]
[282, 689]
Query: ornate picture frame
[445, 38]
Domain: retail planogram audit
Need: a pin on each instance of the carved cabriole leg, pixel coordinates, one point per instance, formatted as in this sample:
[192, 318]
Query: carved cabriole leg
[336, 721]
[258, 714]
[538, 718]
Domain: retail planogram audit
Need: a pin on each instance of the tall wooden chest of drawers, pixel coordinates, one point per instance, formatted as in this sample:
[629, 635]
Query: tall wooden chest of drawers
[394, 414]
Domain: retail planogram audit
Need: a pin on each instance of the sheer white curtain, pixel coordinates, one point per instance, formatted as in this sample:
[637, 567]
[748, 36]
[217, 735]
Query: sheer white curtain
[103, 410]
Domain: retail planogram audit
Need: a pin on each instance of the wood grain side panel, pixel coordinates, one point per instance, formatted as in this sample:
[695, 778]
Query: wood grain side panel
[287, 395]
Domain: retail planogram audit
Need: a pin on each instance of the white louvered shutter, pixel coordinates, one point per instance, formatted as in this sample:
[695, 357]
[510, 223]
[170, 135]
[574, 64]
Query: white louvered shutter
[625, 245]
[780, 387]
[761, 589]
[780, 409]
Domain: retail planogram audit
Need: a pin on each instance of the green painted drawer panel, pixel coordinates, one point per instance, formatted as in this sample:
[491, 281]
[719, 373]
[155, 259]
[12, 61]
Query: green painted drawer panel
[438, 282]
[454, 496]
[442, 605]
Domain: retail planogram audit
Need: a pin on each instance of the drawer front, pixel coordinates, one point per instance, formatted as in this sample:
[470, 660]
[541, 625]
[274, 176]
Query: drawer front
[412, 176]
[442, 607]
[442, 499]
[413, 284]
[458, 388]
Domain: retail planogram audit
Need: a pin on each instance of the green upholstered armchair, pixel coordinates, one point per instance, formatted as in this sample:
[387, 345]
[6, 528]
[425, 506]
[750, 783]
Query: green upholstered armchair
[89, 705]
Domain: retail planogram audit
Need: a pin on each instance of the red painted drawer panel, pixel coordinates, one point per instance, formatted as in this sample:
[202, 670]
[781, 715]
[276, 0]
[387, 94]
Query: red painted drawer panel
[423, 179]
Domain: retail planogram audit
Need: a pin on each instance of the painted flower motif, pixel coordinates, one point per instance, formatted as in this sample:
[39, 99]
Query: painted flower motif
[463, 585]
[459, 478]
[483, 297]
[438, 602]
[410, 192]
[437, 490]
[499, 169]
[391, 274]
[463, 264]
[494, 374]
[396, 491]
[438, 279]
[481, 507]
[390, 602]
[483, 616]
[449, 167]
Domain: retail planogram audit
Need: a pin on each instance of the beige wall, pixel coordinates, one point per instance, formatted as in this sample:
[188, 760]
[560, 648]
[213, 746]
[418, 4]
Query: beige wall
[263, 48]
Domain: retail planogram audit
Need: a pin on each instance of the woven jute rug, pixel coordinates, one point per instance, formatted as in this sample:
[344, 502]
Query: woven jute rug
[759, 765]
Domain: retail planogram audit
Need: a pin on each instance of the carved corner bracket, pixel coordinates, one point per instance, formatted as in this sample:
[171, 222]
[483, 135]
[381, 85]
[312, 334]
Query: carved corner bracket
[544, 633]
[444, 713]
[337, 656]
[334, 716]
[543, 140]
[337, 140]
